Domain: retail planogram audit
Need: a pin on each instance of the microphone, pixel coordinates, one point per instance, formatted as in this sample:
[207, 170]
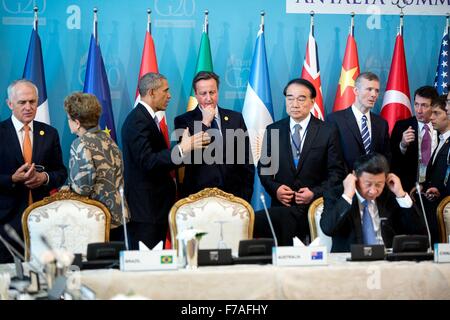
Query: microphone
[424, 216]
[263, 200]
[17, 256]
[124, 222]
[14, 236]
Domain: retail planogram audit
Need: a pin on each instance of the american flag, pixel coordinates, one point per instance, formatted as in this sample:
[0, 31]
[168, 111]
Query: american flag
[442, 70]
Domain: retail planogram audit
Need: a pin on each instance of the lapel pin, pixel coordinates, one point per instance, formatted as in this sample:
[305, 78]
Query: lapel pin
[41, 132]
[225, 118]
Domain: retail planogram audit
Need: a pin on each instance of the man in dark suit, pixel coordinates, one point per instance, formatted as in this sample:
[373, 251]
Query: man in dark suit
[301, 157]
[149, 187]
[434, 187]
[30, 159]
[413, 140]
[360, 130]
[226, 163]
[370, 207]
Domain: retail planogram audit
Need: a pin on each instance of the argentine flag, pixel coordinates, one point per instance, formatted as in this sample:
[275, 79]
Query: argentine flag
[258, 110]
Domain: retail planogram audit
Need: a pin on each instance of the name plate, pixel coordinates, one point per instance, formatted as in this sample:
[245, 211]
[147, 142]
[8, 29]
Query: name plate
[442, 252]
[300, 256]
[135, 260]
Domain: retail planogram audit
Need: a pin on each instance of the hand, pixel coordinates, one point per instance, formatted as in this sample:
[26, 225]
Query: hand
[23, 173]
[350, 185]
[432, 194]
[36, 180]
[394, 184]
[208, 116]
[284, 195]
[197, 141]
[407, 137]
[304, 196]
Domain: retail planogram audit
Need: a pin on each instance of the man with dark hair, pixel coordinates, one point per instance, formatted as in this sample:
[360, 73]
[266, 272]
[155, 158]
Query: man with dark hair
[360, 130]
[31, 162]
[300, 158]
[434, 187]
[226, 162]
[413, 140]
[370, 207]
[149, 188]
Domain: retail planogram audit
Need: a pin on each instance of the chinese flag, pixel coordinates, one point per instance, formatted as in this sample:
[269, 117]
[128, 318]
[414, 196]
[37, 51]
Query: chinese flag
[396, 100]
[349, 72]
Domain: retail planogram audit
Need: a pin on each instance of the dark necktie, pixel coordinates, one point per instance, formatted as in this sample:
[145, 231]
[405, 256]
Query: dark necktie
[296, 142]
[365, 134]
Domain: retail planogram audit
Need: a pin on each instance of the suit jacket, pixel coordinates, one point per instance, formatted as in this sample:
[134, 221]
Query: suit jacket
[236, 177]
[46, 152]
[342, 221]
[405, 166]
[350, 136]
[320, 166]
[149, 188]
[437, 170]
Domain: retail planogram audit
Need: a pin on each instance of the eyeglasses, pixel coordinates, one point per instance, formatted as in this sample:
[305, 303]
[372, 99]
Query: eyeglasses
[292, 99]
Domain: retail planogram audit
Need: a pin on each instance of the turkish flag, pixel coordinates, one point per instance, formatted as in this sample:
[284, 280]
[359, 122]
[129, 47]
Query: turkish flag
[349, 72]
[396, 100]
[150, 64]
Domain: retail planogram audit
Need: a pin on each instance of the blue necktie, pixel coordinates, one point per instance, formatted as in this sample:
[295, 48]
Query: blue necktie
[365, 134]
[214, 124]
[296, 143]
[369, 235]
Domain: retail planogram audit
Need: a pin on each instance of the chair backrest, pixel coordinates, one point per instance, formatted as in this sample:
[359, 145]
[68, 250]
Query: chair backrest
[213, 210]
[314, 213]
[443, 216]
[68, 221]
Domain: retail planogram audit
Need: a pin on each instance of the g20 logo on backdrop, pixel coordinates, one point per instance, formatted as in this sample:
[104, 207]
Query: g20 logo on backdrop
[175, 8]
[236, 77]
[21, 13]
[23, 7]
[175, 13]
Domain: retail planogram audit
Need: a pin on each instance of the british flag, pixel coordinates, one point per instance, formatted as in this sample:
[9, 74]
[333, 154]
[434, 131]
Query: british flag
[442, 70]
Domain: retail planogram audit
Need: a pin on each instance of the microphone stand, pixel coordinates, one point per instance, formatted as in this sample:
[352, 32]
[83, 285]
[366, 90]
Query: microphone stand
[124, 222]
[430, 250]
[263, 200]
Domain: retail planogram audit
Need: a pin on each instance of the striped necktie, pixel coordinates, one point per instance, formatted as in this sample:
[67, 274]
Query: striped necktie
[365, 134]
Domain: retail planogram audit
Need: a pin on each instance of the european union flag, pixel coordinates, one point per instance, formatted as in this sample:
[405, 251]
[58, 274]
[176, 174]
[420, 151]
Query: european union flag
[442, 70]
[96, 83]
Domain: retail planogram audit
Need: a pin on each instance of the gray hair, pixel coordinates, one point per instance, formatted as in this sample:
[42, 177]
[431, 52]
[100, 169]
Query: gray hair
[11, 87]
[366, 75]
[150, 81]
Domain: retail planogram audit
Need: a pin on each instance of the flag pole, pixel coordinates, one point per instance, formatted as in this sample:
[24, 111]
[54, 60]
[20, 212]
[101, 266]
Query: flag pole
[149, 21]
[352, 23]
[447, 23]
[205, 23]
[35, 21]
[400, 31]
[261, 26]
[311, 23]
[95, 25]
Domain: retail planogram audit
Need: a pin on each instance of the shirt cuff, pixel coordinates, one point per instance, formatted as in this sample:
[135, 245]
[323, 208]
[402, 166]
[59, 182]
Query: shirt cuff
[405, 202]
[347, 198]
[181, 151]
[48, 178]
[402, 150]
